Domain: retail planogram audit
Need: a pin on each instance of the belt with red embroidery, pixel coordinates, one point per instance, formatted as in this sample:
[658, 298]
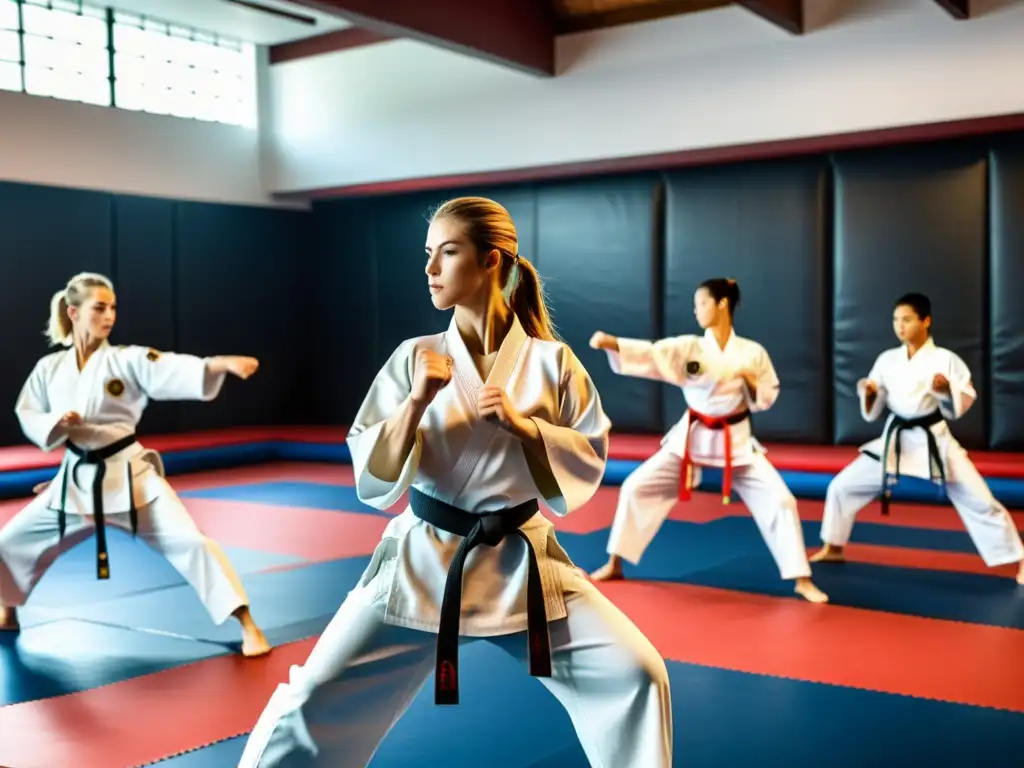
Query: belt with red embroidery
[476, 529]
[711, 422]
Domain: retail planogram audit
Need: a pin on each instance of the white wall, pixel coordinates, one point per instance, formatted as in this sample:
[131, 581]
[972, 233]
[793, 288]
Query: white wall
[68, 144]
[402, 110]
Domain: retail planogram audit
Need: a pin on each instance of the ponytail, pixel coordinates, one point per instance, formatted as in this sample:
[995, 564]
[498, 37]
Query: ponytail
[58, 330]
[527, 301]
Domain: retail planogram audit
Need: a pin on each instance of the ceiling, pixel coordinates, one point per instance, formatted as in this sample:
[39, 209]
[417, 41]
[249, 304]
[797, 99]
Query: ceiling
[263, 22]
[580, 15]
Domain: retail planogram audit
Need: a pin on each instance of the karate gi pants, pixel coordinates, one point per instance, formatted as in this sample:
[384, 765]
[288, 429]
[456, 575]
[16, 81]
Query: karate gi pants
[652, 490]
[30, 543]
[361, 676]
[990, 526]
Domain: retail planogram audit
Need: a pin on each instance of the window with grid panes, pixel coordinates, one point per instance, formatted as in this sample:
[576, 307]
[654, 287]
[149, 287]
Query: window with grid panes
[10, 46]
[64, 48]
[167, 69]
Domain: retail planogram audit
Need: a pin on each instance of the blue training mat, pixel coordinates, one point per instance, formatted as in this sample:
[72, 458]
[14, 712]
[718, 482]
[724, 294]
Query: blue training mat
[719, 718]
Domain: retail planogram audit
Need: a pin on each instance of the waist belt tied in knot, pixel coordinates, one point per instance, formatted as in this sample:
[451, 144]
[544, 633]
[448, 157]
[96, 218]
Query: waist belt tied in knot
[893, 430]
[97, 458]
[476, 529]
[711, 422]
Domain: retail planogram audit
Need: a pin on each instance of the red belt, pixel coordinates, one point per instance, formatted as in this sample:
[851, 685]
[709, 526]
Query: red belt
[711, 422]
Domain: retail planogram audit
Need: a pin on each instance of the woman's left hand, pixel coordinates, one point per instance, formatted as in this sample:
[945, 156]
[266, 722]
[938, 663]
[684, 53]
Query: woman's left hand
[236, 365]
[493, 404]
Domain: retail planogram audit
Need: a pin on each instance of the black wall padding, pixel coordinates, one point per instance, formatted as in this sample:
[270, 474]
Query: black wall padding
[239, 287]
[143, 275]
[764, 226]
[596, 243]
[46, 235]
[342, 340]
[909, 219]
[1007, 280]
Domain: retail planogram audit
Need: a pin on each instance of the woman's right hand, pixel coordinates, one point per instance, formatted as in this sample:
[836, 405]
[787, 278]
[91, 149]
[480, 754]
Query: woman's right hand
[867, 387]
[71, 419]
[432, 373]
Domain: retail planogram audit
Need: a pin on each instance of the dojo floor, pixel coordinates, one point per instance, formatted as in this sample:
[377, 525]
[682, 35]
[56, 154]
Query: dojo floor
[920, 656]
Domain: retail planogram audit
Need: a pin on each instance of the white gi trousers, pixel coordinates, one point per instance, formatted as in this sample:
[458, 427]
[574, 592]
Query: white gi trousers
[362, 675]
[652, 490]
[990, 526]
[30, 543]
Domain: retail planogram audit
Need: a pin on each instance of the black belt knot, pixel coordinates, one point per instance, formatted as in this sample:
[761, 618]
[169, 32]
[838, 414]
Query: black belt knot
[489, 529]
[97, 457]
[894, 429]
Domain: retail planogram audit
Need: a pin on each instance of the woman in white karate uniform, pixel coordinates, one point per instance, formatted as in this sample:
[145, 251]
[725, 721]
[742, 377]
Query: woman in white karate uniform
[477, 423]
[88, 399]
[724, 378]
[923, 386]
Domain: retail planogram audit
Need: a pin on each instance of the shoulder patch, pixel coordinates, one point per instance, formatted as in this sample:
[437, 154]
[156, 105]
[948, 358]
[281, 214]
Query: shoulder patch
[152, 355]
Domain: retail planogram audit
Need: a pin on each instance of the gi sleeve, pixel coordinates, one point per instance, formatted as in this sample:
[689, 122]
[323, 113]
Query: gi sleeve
[389, 390]
[767, 384]
[171, 375]
[663, 360]
[961, 389]
[876, 377]
[577, 446]
[32, 408]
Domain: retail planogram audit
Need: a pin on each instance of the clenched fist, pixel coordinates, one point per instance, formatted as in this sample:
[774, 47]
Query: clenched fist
[867, 387]
[431, 374]
[494, 404]
[602, 340]
[242, 367]
[71, 419]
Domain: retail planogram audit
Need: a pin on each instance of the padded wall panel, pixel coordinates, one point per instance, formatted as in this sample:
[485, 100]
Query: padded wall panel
[764, 225]
[239, 291]
[909, 219]
[143, 273]
[342, 292]
[1006, 280]
[598, 255]
[47, 235]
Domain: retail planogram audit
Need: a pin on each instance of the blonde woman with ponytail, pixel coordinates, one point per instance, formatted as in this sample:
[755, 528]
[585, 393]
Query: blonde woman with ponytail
[478, 424]
[88, 398]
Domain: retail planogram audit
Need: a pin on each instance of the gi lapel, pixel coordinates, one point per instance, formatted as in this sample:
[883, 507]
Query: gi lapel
[468, 380]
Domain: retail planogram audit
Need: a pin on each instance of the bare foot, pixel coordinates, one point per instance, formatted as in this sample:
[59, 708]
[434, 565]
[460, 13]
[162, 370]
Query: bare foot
[806, 589]
[1020, 573]
[254, 642]
[8, 619]
[610, 571]
[828, 554]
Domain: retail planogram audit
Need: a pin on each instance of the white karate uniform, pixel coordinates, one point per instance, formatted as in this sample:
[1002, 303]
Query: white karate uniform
[905, 388]
[708, 376]
[110, 393]
[378, 650]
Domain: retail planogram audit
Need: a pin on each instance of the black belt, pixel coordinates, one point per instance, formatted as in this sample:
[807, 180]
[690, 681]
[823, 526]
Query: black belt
[893, 429]
[490, 529]
[98, 458]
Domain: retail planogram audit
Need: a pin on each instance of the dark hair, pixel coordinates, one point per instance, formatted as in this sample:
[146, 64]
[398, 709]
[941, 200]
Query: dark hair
[723, 288]
[918, 302]
[490, 227]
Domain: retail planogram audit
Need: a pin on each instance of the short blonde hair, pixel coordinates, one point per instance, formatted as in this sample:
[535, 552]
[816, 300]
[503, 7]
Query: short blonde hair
[58, 330]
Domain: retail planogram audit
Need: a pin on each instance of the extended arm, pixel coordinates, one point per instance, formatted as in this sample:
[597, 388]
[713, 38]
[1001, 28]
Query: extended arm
[663, 360]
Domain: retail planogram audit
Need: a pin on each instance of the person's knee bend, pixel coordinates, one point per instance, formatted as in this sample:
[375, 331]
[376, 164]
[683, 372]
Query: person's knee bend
[645, 668]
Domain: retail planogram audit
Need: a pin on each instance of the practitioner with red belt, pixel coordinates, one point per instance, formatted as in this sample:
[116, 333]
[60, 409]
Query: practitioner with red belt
[724, 378]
